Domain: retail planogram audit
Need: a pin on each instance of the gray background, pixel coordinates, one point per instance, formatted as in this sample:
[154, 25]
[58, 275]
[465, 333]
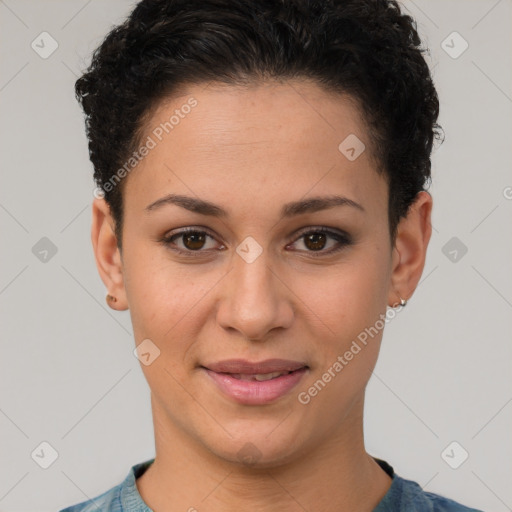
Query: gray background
[68, 374]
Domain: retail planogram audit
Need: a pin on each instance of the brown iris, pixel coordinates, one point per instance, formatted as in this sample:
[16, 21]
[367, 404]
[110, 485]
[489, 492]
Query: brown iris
[315, 241]
[194, 240]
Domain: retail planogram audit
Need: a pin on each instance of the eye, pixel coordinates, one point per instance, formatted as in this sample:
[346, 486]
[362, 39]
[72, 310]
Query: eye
[189, 241]
[318, 239]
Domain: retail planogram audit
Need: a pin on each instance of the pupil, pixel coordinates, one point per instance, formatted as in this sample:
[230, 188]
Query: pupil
[315, 241]
[194, 240]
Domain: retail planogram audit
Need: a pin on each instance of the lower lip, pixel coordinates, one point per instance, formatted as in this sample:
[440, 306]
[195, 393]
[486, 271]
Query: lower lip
[253, 392]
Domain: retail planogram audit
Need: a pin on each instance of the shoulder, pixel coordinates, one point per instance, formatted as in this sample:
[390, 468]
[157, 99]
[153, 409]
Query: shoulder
[123, 497]
[109, 500]
[407, 496]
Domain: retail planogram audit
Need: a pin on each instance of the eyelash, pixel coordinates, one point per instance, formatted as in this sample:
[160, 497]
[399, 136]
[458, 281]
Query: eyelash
[343, 240]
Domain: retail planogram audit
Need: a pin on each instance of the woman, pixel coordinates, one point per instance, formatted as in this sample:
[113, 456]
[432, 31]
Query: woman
[262, 213]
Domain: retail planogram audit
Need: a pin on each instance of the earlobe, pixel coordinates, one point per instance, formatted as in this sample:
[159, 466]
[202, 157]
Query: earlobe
[409, 253]
[107, 254]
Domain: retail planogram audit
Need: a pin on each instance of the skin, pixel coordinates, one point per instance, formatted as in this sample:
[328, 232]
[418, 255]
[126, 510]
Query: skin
[250, 150]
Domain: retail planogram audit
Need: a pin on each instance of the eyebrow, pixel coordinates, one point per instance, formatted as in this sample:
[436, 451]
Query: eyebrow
[313, 204]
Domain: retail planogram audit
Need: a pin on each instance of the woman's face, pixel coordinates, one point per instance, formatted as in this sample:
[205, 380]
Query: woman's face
[289, 259]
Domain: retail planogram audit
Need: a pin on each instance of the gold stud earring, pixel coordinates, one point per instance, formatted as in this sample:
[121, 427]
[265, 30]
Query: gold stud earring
[111, 298]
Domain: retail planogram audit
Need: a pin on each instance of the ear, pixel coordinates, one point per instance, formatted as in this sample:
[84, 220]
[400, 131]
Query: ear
[409, 252]
[107, 254]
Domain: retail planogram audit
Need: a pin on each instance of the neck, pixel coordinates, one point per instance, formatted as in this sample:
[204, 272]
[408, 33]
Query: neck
[337, 475]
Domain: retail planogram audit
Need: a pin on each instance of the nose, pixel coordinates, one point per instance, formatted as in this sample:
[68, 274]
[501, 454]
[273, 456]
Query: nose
[254, 300]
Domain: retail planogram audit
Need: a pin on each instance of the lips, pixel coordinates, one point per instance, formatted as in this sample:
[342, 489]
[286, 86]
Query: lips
[255, 383]
[243, 367]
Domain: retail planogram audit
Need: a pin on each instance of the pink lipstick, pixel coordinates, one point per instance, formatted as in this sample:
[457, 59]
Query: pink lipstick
[256, 383]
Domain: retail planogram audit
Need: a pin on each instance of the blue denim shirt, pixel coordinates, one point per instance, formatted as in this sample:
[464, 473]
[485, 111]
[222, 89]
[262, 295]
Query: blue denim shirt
[403, 496]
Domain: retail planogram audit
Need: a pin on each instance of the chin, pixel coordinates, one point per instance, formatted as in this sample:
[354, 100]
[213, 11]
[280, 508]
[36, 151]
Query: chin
[260, 450]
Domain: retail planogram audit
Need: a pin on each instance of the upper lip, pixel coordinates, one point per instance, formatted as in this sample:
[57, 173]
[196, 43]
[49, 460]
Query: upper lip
[257, 367]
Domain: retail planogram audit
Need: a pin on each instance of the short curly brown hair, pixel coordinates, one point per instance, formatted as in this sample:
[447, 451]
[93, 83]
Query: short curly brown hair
[367, 49]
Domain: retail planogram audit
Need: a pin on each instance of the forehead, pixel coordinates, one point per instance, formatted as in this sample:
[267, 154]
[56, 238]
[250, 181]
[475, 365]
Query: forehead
[291, 136]
[288, 111]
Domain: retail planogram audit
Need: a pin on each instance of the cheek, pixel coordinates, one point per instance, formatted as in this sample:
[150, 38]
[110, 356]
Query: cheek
[167, 306]
[350, 303]
[350, 296]
[165, 298]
